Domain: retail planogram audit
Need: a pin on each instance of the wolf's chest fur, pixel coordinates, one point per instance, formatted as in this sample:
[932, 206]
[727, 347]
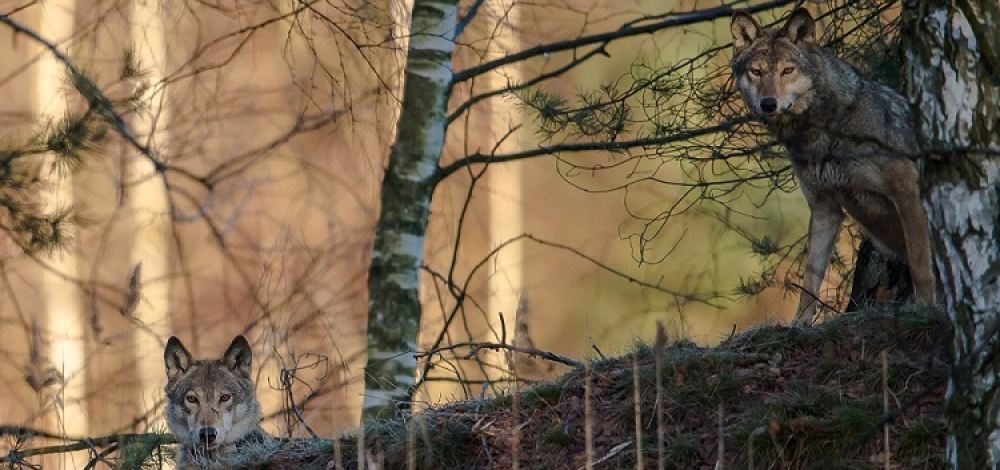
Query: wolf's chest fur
[838, 179]
[835, 169]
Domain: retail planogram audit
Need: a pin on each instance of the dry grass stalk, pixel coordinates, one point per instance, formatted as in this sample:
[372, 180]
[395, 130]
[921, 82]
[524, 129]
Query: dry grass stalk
[885, 408]
[637, 398]
[588, 418]
[722, 440]
[661, 343]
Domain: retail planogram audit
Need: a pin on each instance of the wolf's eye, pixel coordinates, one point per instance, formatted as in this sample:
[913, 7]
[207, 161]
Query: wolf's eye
[788, 70]
[756, 72]
[191, 399]
[225, 397]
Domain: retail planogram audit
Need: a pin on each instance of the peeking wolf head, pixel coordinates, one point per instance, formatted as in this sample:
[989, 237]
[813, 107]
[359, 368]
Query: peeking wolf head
[211, 403]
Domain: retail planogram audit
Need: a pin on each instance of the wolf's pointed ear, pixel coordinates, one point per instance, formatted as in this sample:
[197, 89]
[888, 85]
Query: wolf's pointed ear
[800, 28]
[745, 30]
[176, 357]
[239, 356]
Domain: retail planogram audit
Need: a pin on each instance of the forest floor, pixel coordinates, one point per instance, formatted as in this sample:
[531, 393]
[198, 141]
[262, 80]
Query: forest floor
[771, 398]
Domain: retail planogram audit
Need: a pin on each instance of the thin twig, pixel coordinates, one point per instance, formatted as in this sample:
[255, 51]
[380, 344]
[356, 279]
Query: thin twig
[598, 350]
[476, 346]
[815, 298]
[611, 453]
[23, 431]
[661, 343]
[588, 417]
[287, 376]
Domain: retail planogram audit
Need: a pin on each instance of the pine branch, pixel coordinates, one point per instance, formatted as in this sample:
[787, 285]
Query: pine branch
[16, 456]
[475, 347]
[90, 91]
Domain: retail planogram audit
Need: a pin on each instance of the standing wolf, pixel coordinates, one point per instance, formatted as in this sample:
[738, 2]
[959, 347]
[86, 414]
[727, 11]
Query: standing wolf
[212, 407]
[851, 144]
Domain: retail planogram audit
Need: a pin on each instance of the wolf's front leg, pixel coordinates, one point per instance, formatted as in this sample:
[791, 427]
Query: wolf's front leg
[825, 219]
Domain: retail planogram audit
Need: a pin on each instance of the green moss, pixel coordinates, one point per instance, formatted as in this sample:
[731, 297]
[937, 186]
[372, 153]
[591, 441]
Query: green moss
[560, 434]
[438, 444]
[772, 339]
[854, 419]
[680, 452]
[921, 442]
[543, 393]
[922, 432]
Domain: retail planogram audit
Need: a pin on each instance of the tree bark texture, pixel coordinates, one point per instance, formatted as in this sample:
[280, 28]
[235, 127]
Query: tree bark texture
[878, 279]
[952, 66]
[397, 257]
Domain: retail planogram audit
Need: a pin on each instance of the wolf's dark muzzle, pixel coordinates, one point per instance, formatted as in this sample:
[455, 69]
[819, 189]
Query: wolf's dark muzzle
[769, 105]
[207, 435]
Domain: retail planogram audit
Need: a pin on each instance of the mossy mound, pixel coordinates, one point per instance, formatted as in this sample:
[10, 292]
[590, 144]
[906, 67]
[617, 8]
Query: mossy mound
[773, 397]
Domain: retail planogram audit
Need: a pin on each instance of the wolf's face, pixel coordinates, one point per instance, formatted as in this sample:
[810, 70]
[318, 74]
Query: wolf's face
[772, 67]
[210, 403]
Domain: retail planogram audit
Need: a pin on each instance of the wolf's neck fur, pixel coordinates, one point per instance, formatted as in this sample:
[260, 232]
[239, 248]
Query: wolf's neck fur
[807, 135]
[834, 99]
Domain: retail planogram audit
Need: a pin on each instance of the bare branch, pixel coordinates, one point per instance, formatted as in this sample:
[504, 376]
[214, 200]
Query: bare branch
[619, 146]
[681, 19]
[16, 456]
[476, 346]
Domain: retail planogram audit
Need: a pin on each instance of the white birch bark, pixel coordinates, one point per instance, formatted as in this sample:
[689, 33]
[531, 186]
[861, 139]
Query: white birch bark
[397, 257]
[952, 63]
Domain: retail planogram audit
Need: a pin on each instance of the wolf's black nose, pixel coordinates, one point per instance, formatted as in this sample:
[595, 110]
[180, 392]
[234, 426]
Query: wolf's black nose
[769, 105]
[207, 435]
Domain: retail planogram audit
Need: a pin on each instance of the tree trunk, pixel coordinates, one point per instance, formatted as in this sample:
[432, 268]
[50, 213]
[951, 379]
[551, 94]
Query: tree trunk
[506, 204]
[64, 318]
[878, 279]
[952, 64]
[397, 257]
[148, 299]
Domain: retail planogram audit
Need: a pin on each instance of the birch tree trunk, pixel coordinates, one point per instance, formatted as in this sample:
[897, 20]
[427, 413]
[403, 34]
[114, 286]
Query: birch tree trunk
[393, 279]
[64, 318]
[952, 64]
[147, 195]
